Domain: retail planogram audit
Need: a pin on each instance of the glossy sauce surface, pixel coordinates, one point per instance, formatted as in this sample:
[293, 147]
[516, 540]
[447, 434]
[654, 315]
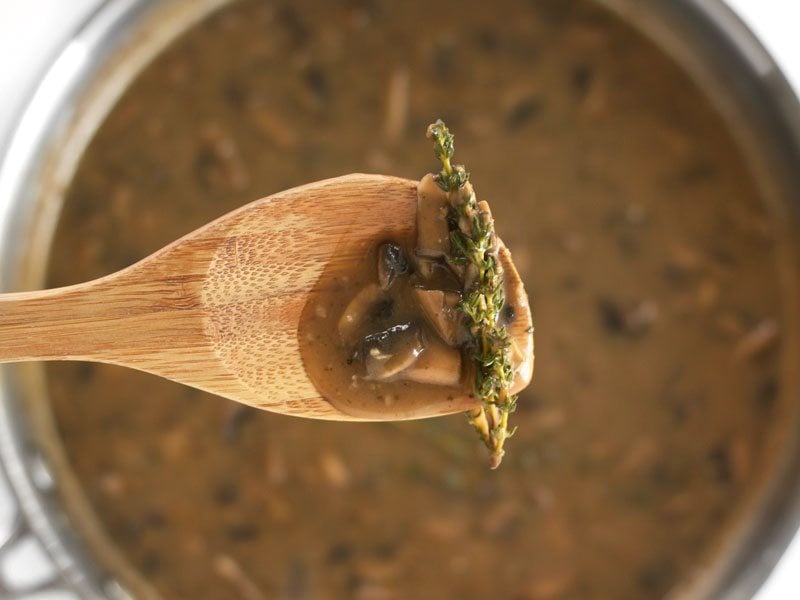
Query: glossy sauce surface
[633, 222]
[329, 359]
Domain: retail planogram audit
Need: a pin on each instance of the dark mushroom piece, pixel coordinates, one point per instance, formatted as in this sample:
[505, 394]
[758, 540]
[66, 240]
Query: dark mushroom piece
[387, 353]
[392, 262]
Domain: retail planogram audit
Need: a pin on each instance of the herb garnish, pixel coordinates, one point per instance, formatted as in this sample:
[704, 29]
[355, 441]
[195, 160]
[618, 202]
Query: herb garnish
[474, 248]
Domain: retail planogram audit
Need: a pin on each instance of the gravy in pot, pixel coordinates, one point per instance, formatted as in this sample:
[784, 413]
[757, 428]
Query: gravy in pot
[634, 224]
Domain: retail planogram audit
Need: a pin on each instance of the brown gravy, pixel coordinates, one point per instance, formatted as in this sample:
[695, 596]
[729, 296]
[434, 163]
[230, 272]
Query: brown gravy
[631, 216]
[329, 360]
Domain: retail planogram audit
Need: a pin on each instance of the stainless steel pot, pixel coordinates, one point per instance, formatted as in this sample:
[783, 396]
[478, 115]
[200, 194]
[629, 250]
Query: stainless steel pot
[120, 38]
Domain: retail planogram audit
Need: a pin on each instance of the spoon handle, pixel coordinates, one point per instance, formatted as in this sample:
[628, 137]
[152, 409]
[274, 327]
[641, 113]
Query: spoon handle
[114, 319]
[47, 325]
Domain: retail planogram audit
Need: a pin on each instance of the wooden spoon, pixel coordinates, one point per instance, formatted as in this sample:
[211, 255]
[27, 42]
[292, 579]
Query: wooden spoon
[219, 308]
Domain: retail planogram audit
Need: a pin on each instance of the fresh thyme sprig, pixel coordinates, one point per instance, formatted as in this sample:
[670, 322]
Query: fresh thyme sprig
[474, 247]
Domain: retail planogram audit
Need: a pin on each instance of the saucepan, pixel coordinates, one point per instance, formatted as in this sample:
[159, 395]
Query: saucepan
[117, 41]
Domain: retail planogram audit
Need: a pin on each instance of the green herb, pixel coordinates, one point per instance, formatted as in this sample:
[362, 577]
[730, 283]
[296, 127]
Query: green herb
[474, 247]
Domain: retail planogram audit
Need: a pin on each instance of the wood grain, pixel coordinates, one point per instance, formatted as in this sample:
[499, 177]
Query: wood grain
[218, 309]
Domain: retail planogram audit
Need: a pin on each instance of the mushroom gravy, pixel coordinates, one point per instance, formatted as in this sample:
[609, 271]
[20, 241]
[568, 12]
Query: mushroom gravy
[361, 343]
[382, 335]
[630, 213]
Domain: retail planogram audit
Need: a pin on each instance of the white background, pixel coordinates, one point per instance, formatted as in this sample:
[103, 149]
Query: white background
[31, 30]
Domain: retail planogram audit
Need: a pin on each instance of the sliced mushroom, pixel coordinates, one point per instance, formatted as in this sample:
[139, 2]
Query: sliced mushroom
[361, 307]
[439, 308]
[520, 328]
[440, 274]
[508, 314]
[433, 235]
[438, 365]
[392, 262]
[387, 353]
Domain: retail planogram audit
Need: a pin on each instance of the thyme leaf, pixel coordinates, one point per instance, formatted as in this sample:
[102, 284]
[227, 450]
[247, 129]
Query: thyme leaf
[473, 245]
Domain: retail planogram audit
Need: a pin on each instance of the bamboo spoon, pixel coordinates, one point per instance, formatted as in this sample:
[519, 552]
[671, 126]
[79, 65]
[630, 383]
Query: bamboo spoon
[219, 308]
